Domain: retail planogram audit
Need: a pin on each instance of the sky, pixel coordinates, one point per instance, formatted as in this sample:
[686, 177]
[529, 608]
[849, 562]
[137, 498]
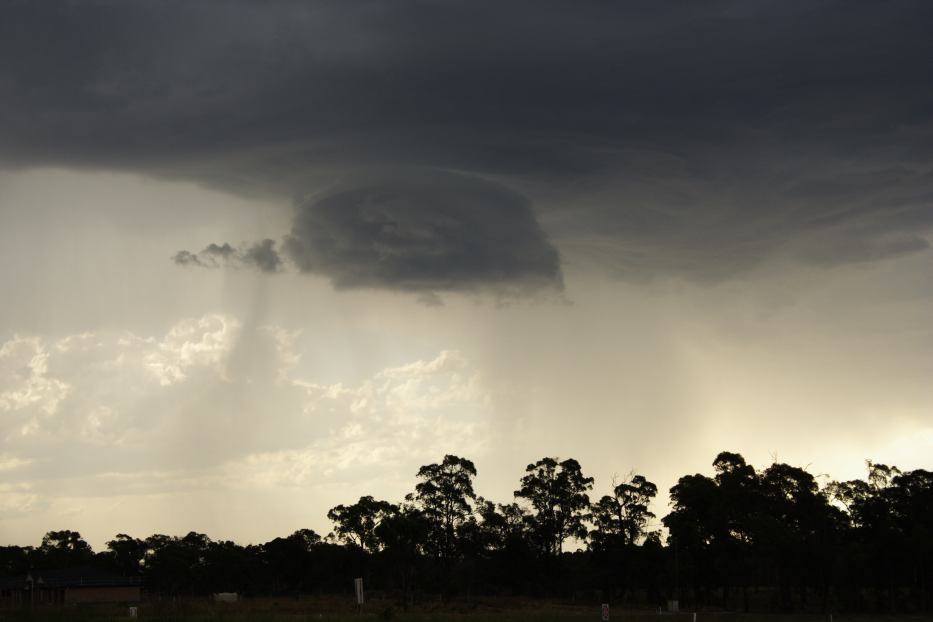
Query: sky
[260, 259]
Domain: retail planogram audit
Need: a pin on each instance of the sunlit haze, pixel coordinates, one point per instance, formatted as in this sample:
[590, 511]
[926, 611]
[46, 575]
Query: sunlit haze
[257, 260]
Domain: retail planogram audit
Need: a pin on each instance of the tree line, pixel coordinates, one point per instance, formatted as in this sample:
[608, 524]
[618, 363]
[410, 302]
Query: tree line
[739, 539]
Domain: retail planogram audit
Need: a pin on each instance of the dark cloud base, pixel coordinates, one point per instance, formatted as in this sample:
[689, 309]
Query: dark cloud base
[675, 138]
[412, 230]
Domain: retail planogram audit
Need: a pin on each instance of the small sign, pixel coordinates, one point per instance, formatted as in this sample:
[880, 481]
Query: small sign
[133, 611]
[358, 588]
[605, 612]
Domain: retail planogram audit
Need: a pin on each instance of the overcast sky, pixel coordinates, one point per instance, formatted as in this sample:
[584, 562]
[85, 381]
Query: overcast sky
[258, 259]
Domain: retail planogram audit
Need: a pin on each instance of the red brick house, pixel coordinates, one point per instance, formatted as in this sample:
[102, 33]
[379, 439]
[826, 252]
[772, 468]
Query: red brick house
[69, 586]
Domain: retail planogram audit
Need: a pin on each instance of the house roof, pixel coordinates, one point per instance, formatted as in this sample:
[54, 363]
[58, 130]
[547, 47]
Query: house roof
[82, 576]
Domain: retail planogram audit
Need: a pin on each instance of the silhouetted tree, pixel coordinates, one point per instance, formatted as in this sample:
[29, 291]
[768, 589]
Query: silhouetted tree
[60, 549]
[229, 567]
[620, 520]
[177, 565]
[127, 553]
[15, 560]
[736, 517]
[623, 516]
[557, 493]
[443, 495]
[854, 545]
[402, 534]
[289, 560]
[891, 536]
[499, 526]
[356, 523]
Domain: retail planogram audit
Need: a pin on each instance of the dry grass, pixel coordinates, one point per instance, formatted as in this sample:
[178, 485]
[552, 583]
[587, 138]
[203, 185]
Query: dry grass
[342, 609]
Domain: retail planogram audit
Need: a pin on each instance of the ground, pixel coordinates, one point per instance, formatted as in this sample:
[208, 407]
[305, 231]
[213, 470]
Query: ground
[333, 609]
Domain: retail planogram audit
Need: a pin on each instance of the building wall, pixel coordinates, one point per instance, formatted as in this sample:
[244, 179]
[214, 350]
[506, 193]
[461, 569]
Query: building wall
[11, 597]
[102, 594]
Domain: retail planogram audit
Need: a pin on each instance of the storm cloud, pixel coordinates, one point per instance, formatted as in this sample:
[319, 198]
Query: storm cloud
[408, 229]
[653, 139]
[218, 221]
[416, 230]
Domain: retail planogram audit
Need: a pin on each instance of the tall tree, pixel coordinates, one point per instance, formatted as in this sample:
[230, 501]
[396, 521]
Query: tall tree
[444, 495]
[65, 548]
[623, 516]
[289, 559]
[620, 520]
[557, 493]
[737, 514]
[402, 533]
[691, 527]
[356, 523]
[177, 565]
[892, 531]
[127, 553]
[500, 525]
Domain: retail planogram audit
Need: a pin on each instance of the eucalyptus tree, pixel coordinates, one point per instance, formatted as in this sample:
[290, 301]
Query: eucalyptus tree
[177, 565]
[355, 524]
[738, 515]
[557, 493]
[288, 559]
[402, 534]
[891, 533]
[620, 520]
[500, 526]
[622, 517]
[65, 548]
[444, 497]
[126, 553]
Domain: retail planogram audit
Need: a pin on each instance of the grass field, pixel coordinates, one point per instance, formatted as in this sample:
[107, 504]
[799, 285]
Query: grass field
[334, 610]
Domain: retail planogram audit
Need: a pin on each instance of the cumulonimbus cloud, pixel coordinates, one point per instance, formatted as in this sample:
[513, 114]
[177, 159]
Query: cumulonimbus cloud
[685, 139]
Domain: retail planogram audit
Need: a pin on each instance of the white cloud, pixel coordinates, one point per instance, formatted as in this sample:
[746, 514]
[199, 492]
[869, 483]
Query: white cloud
[8, 463]
[446, 361]
[27, 393]
[401, 416]
[191, 343]
[16, 499]
[213, 406]
[91, 387]
[24, 380]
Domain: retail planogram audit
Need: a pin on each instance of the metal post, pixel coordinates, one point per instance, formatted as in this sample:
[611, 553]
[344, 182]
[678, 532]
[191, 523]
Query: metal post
[676, 572]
